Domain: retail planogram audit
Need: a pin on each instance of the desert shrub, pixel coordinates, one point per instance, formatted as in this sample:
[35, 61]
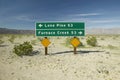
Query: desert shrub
[58, 37]
[67, 41]
[92, 41]
[82, 38]
[33, 36]
[28, 35]
[20, 36]
[39, 38]
[111, 46]
[1, 36]
[33, 42]
[23, 49]
[102, 39]
[114, 37]
[81, 44]
[103, 71]
[12, 38]
[1, 42]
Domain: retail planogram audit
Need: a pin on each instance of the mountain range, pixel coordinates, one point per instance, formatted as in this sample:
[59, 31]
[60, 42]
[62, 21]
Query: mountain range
[15, 31]
[87, 31]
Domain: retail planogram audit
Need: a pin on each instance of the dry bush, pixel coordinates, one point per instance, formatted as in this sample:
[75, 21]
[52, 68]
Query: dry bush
[92, 41]
[23, 49]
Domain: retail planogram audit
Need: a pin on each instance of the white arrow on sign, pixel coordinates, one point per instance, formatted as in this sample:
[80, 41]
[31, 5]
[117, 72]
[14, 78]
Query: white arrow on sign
[40, 25]
[80, 32]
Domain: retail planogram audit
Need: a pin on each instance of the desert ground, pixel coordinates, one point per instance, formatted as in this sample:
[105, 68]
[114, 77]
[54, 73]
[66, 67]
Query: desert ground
[101, 62]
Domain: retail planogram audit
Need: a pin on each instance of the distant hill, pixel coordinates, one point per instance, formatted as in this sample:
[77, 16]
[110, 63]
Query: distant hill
[87, 31]
[15, 31]
[103, 31]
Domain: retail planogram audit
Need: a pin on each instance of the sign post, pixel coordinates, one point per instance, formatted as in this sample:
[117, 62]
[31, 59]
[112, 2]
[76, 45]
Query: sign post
[46, 51]
[60, 29]
[75, 50]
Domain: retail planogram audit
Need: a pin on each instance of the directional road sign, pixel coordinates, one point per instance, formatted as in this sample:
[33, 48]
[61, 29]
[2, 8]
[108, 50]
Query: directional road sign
[60, 29]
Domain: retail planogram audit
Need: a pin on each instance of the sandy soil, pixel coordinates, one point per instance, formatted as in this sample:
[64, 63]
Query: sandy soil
[91, 63]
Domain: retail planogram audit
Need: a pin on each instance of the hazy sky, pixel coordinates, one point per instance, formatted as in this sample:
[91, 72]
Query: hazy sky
[22, 14]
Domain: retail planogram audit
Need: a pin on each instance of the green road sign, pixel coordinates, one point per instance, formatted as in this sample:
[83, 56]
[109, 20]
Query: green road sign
[60, 29]
[60, 25]
[60, 33]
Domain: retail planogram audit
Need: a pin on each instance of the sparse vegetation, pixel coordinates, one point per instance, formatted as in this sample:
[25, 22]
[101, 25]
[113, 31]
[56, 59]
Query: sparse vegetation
[1, 36]
[81, 44]
[33, 42]
[23, 49]
[103, 71]
[102, 38]
[12, 38]
[111, 46]
[1, 42]
[39, 38]
[92, 41]
[90, 62]
[67, 41]
[20, 36]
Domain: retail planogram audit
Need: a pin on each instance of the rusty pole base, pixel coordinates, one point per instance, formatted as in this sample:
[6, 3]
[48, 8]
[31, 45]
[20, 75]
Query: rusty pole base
[75, 50]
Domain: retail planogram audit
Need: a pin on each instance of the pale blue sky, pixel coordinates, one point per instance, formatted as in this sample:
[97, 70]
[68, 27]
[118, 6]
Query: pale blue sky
[22, 14]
